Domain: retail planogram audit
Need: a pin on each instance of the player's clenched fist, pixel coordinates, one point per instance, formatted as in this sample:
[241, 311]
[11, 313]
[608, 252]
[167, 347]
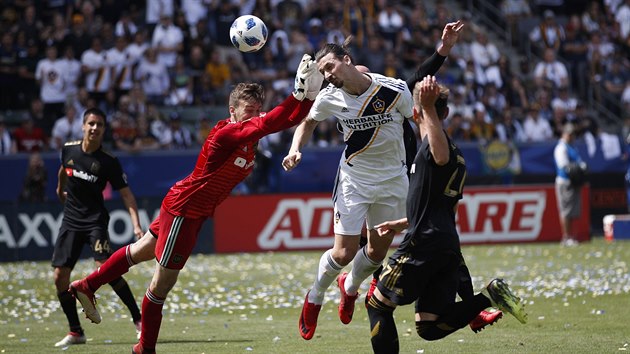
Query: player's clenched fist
[291, 160]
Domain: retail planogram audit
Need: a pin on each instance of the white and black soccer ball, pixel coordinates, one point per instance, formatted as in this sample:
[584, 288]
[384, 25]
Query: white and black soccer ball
[248, 33]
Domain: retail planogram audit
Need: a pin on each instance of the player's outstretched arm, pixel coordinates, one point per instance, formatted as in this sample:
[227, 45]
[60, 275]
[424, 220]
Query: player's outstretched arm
[303, 132]
[450, 36]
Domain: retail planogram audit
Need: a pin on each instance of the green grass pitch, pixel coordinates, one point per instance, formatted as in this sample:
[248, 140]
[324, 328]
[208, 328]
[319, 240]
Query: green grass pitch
[578, 300]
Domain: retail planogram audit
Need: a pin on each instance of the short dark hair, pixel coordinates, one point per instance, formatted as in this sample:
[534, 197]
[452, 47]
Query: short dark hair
[95, 111]
[338, 50]
[246, 92]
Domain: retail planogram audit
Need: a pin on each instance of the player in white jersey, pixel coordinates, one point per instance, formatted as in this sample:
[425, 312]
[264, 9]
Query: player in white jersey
[371, 181]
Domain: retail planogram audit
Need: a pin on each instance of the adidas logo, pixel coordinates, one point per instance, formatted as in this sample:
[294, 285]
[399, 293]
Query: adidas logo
[344, 109]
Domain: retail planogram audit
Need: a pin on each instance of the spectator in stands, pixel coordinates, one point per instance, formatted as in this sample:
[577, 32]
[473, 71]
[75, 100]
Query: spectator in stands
[27, 83]
[458, 128]
[203, 129]
[616, 77]
[28, 137]
[219, 72]
[516, 94]
[66, 128]
[7, 144]
[96, 70]
[547, 35]
[79, 38]
[137, 101]
[536, 129]
[180, 22]
[157, 126]
[574, 50]
[178, 137]
[123, 127]
[509, 129]
[622, 16]
[137, 47]
[315, 32]
[155, 10]
[168, 40]
[121, 67]
[50, 76]
[125, 27]
[592, 17]
[390, 23]
[550, 69]
[220, 19]
[144, 140]
[564, 100]
[515, 10]
[30, 23]
[35, 181]
[485, 55]
[482, 129]
[181, 85]
[205, 93]
[625, 100]
[153, 77]
[458, 105]
[71, 69]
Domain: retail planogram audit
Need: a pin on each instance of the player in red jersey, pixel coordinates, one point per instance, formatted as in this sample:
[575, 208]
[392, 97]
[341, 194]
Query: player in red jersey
[226, 158]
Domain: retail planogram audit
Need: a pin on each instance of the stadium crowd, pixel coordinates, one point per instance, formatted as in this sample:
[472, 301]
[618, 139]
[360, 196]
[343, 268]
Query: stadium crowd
[133, 58]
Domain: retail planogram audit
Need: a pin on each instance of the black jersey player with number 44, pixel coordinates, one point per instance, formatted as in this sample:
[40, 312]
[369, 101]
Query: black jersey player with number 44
[85, 170]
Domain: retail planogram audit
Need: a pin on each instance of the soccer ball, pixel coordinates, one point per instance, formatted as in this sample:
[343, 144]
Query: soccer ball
[248, 33]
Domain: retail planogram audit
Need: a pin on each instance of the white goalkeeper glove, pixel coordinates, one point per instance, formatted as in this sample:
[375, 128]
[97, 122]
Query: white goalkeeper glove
[308, 80]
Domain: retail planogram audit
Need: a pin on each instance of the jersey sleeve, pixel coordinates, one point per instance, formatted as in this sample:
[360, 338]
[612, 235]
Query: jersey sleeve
[287, 114]
[428, 67]
[117, 177]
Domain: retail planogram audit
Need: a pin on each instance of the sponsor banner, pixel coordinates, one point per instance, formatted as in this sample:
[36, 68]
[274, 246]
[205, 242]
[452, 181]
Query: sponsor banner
[29, 231]
[305, 221]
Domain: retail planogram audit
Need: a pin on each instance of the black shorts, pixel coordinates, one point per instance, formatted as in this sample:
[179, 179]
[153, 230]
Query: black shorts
[69, 245]
[432, 282]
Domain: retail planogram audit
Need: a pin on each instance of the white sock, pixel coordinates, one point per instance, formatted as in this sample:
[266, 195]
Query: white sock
[327, 272]
[362, 267]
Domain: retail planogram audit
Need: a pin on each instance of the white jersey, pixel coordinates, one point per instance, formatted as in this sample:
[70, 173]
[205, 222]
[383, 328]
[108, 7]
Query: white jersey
[72, 74]
[97, 80]
[372, 127]
[120, 63]
[50, 74]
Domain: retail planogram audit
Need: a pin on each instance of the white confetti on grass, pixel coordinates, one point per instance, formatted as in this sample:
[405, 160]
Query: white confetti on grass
[234, 284]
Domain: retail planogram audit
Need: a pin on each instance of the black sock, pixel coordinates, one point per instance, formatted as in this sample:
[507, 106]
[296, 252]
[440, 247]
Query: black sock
[383, 332]
[464, 311]
[69, 307]
[123, 291]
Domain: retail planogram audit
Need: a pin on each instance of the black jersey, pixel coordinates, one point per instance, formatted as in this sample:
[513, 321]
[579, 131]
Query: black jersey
[87, 176]
[433, 194]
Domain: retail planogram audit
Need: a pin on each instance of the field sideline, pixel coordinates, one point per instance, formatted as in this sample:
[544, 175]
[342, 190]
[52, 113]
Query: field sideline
[578, 300]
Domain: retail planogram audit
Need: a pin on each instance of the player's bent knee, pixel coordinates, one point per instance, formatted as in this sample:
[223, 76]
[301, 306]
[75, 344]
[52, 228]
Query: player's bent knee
[428, 330]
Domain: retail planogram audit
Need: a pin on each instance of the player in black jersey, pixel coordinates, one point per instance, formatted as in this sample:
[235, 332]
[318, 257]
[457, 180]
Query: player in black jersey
[85, 170]
[426, 266]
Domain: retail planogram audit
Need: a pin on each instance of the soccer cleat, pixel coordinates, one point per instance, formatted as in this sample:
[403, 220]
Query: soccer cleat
[346, 304]
[308, 318]
[138, 325]
[370, 291]
[137, 349]
[70, 339]
[502, 298]
[485, 318]
[82, 292]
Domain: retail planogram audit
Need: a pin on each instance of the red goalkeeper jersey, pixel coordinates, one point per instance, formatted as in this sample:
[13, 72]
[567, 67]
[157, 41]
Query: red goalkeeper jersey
[226, 158]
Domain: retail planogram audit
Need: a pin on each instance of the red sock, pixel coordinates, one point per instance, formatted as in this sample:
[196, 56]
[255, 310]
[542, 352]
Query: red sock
[151, 320]
[117, 265]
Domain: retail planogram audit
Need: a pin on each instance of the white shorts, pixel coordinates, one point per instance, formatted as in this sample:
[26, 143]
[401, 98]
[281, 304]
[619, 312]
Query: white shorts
[359, 203]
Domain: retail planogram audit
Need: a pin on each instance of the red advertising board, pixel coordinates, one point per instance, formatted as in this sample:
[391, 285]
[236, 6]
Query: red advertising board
[501, 214]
